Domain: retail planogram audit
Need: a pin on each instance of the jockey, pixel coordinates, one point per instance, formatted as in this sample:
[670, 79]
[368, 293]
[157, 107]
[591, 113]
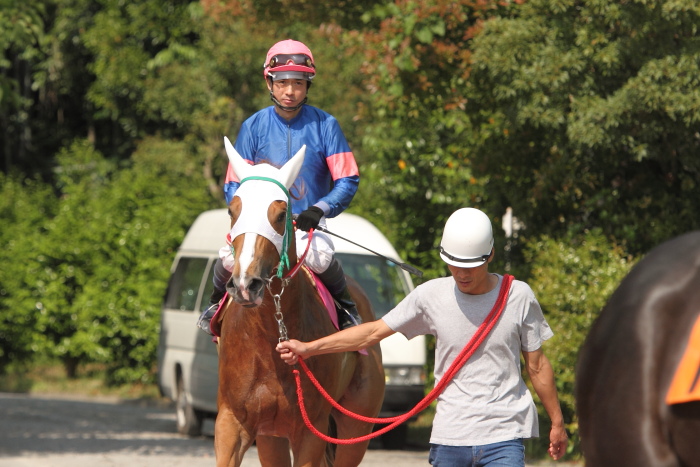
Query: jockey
[326, 183]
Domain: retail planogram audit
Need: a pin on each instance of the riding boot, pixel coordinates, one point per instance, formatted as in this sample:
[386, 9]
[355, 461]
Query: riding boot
[334, 280]
[221, 276]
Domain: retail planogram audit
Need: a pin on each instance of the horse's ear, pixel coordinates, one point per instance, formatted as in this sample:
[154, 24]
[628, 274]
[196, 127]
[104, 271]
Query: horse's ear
[240, 166]
[290, 170]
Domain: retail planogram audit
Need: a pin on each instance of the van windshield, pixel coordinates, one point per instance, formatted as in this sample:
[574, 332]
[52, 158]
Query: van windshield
[383, 281]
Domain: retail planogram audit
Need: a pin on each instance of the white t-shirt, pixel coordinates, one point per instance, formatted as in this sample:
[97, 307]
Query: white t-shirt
[488, 400]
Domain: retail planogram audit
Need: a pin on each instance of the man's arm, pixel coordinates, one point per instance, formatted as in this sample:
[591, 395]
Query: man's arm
[542, 377]
[342, 167]
[354, 338]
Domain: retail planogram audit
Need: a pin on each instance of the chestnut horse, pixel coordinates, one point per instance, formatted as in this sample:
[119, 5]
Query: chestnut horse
[257, 398]
[630, 358]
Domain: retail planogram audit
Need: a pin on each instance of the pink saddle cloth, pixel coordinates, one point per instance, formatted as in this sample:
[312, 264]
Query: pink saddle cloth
[326, 298]
[328, 301]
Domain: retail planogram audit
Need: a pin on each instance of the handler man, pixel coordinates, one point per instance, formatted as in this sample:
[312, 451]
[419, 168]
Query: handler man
[486, 411]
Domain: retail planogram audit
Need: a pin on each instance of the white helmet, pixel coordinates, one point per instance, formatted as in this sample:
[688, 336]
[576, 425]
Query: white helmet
[467, 240]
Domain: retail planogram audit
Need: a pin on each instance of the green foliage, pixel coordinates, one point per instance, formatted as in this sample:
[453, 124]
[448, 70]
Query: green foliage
[22, 41]
[146, 214]
[101, 275]
[64, 261]
[128, 42]
[418, 141]
[587, 114]
[572, 279]
[281, 15]
[24, 207]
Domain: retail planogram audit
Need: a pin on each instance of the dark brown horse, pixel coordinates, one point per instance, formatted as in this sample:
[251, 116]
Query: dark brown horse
[630, 358]
[257, 398]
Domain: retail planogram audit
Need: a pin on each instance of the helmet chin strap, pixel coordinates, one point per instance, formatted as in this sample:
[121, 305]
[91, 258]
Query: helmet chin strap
[283, 107]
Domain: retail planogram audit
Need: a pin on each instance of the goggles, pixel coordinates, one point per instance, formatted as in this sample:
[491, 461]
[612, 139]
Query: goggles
[296, 59]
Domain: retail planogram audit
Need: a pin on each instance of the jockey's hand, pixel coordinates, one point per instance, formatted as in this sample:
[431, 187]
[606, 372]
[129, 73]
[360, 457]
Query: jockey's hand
[309, 219]
[290, 351]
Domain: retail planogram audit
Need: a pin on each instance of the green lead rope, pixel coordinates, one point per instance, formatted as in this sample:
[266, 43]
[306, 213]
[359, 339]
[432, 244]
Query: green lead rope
[286, 238]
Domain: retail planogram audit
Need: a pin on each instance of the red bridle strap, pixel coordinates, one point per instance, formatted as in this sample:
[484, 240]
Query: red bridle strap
[296, 267]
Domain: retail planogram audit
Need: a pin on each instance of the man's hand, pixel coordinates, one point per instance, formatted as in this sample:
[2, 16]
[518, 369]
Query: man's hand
[290, 351]
[557, 442]
[309, 219]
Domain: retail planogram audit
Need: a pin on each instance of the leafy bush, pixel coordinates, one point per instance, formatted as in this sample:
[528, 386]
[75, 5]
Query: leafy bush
[101, 268]
[25, 204]
[572, 279]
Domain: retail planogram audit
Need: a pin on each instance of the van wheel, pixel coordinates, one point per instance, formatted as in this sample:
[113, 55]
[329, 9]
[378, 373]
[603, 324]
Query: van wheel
[189, 420]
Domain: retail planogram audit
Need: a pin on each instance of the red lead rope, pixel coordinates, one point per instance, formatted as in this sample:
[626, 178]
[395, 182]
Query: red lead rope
[481, 333]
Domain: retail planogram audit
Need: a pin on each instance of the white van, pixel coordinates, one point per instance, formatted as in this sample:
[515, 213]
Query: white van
[187, 359]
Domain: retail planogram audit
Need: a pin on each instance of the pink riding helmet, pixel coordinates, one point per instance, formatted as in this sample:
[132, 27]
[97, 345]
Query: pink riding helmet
[289, 59]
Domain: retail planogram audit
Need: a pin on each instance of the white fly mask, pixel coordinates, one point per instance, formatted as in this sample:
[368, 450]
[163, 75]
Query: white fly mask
[261, 185]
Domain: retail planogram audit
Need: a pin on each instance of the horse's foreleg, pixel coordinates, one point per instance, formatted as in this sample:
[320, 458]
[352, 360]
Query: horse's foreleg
[230, 440]
[273, 451]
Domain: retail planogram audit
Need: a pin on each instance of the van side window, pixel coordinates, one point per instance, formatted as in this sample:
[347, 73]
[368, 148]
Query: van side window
[185, 284]
[379, 278]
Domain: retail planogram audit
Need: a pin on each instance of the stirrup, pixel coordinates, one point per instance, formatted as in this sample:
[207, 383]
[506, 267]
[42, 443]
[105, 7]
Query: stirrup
[204, 321]
[346, 317]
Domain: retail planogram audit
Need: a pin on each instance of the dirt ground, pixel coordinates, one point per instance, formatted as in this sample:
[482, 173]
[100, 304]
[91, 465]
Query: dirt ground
[60, 431]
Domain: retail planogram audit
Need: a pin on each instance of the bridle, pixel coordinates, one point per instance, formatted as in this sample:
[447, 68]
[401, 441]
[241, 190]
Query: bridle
[284, 259]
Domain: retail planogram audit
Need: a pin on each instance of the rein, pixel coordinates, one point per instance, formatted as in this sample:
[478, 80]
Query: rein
[477, 339]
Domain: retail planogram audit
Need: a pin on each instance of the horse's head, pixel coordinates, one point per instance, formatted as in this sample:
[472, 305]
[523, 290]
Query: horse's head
[261, 232]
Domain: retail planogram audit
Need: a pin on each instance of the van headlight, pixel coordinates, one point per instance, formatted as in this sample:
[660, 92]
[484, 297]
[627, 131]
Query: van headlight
[404, 375]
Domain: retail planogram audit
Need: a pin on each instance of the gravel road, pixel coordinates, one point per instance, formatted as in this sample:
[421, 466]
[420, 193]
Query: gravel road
[56, 431]
[60, 431]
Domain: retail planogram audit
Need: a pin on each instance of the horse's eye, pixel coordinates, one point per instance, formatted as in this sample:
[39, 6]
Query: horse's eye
[282, 217]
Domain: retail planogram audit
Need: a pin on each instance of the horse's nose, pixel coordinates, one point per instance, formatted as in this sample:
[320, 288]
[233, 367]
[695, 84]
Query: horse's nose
[255, 287]
[231, 286]
[249, 290]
